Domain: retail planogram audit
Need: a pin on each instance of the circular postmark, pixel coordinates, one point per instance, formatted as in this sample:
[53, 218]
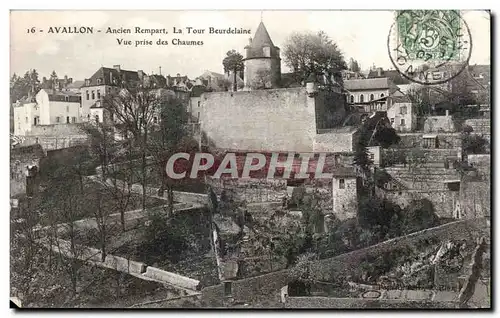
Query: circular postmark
[429, 47]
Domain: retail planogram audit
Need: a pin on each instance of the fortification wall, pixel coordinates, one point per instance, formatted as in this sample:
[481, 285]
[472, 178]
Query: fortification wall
[266, 120]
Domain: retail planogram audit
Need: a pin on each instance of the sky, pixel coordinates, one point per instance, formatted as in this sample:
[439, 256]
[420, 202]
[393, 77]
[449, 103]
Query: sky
[361, 35]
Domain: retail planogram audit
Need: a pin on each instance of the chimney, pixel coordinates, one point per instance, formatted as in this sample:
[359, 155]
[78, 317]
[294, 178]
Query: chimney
[447, 113]
[178, 75]
[379, 72]
[117, 67]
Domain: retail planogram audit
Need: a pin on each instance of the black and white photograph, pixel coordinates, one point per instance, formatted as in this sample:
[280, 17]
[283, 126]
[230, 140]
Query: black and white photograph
[259, 159]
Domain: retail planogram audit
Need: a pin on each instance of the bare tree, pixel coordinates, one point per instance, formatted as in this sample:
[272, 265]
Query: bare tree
[134, 110]
[307, 53]
[262, 80]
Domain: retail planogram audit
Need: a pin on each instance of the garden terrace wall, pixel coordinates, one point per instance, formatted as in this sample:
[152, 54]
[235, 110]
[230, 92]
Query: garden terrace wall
[342, 303]
[343, 265]
[269, 285]
[172, 278]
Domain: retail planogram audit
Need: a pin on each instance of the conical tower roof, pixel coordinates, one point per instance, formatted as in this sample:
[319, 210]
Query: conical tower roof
[261, 37]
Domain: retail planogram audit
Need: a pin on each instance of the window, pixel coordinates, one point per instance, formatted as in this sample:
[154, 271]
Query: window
[155, 120]
[361, 98]
[402, 122]
[73, 120]
[93, 94]
[352, 99]
[88, 117]
[58, 119]
[403, 110]
[96, 118]
[198, 117]
[372, 156]
[98, 81]
[87, 82]
[341, 183]
[392, 121]
[67, 109]
[372, 97]
[98, 93]
[381, 95]
[87, 92]
[67, 119]
[35, 121]
[228, 288]
[199, 103]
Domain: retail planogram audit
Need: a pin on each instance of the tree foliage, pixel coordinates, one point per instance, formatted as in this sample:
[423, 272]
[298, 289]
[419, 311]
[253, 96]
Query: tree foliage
[233, 62]
[354, 65]
[21, 87]
[307, 53]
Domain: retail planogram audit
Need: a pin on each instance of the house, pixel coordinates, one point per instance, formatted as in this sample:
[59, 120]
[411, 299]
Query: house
[106, 81]
[26, 115]
[369, 95]
[401, 113]
[58, 107]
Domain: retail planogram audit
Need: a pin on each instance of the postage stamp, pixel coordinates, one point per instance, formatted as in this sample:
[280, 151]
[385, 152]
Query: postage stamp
[425, 43]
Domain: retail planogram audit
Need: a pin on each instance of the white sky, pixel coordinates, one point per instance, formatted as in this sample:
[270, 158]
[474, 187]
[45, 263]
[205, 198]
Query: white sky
[361, 35]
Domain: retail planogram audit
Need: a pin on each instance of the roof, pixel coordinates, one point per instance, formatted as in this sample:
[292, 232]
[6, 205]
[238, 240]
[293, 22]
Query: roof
[368, 84]
[261, 37]
[344, 172]
[62, 96]
[113, 77]
[261, 40]
[76, 84]
[401, 99]
[290, 80]
[197, 90]
[31, 151]
[393, 75]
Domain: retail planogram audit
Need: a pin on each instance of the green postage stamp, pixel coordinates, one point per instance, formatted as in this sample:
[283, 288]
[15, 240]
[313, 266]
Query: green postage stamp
[429, 39]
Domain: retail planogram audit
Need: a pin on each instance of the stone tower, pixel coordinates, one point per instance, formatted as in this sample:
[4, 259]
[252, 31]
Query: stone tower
[262, 61]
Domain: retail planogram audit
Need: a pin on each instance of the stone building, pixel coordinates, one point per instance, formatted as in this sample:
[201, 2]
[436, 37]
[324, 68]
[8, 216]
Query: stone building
[48, 107]
[401, 114]
[262, 61]
[369, 95]
[269, 118]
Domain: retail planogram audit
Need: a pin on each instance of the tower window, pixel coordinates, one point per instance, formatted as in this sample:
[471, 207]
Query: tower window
[98, 93]
[372, 97]
[341, 183]
[93, 94]
[381, 95]
[352, 99]
[67, 119]
[361, 98]
[87, 95]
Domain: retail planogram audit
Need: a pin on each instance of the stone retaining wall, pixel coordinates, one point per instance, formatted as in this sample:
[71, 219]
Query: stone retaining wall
[172, 278]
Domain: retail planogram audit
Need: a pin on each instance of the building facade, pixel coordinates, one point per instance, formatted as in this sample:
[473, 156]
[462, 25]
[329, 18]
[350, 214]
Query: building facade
[58, 107]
